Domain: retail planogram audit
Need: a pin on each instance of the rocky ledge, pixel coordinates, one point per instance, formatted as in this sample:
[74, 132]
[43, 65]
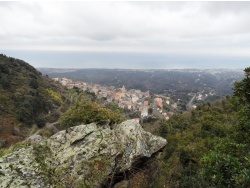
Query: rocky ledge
[81, 156]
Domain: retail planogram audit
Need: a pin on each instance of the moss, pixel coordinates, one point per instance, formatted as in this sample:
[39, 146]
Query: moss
[54, 176]
[97, 171]
[2, 152]
[14, 148]
[45, 133]
[41, 152]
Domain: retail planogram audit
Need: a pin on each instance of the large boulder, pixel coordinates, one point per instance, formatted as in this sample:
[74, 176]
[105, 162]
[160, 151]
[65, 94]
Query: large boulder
[85, 155]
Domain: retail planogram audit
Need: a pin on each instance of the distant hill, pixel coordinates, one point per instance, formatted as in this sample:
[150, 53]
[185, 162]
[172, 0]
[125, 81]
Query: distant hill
[25, 98]
[175, 83]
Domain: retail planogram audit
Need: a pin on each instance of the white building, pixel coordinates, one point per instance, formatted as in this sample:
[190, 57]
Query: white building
[144, 112]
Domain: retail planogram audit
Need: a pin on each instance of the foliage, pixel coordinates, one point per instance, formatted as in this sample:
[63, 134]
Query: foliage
[242, 127]
[45, 133]
[34, 83]
[190, 136]
[1, 152]
[55, 95]
[150, 111]
[242, 98]
[242, 88]
[209, 146]
[40, 121]
[84, 112]
[53, 116]
[24, 95]
[227, 165]
[112, 106]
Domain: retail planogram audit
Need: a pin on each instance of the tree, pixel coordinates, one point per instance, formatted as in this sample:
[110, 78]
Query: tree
[242, 88]
[40, 121]
[150, 111]
[25, 111]
[34, 83]
[228, 165]
[4, 81]
[242, 96]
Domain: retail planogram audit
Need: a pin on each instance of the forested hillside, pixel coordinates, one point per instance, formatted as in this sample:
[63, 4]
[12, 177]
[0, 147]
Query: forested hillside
[172, 82]
[209, 146]
[26, 98]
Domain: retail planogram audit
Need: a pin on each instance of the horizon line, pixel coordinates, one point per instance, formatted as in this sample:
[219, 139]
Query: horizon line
[142, 68]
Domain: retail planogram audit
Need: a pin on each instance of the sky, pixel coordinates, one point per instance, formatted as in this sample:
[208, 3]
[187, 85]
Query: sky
[140, 35]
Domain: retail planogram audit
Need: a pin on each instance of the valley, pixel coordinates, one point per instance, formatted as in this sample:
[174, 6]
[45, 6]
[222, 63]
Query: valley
[105, 134]
[179, 85]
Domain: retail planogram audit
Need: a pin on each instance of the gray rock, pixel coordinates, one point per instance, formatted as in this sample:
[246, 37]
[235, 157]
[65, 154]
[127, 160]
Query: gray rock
[85, 155]
[35, 138]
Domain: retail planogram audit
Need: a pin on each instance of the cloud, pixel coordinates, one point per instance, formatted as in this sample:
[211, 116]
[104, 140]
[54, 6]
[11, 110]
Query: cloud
[191, 27]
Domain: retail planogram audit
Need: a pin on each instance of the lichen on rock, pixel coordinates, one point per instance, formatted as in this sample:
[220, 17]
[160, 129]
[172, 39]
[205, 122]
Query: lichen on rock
[85, 155]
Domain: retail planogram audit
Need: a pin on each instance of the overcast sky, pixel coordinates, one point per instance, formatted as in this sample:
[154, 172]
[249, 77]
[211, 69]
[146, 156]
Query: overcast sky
[127, 34]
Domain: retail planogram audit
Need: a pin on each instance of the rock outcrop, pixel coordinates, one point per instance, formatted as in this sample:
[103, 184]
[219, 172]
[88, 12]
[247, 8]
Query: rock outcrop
[81, 156]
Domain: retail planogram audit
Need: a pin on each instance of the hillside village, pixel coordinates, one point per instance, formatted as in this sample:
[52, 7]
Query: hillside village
[133, 99]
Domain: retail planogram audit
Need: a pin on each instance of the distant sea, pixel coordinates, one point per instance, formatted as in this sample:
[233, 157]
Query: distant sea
[68, 59]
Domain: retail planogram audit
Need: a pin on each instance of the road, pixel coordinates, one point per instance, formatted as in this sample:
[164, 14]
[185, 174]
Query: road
[190, 105]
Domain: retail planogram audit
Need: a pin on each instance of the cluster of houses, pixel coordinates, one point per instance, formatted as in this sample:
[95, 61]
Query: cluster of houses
[159, 101]
[132, 99]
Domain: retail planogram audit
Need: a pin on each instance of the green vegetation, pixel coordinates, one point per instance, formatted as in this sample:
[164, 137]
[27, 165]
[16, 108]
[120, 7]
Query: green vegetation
[209, 146]
[40, 121]
[14, 148]
[55, 95]
[26, 97]
[227, 165]
[84, 112]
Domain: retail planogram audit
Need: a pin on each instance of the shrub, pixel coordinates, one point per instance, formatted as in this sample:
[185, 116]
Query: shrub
[45, 133]
[86, 112]
[54, 116]
[227, 165]
[55, 95]
[40, 121]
